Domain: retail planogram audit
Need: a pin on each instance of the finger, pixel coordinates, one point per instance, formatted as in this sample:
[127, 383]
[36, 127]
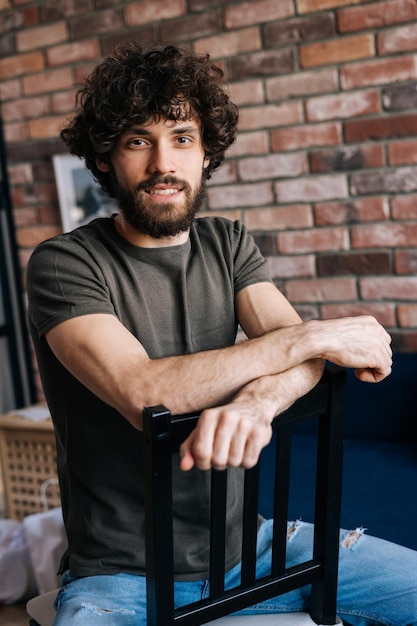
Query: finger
[187, 461]
[260, 437]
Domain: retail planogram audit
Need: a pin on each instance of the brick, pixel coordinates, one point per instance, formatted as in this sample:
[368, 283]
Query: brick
[201, 25]
[51, 11]
[308, 135]
[25, 108]
[313, 240]
[94, 24]
[402, 153]
[311, 189]
[256, 142]
[248, 92]
[384, 313]
[21, 64]
[406, 261]
[35, 150]
[10, 89]
[404, 207]
[302, 84]
[400, 97]
[401, 39]
[226, 174]
[73, 52]
[31, 237]
[356, 263]
[147, 35]
[376, 15]
[307, 311]
[270, 115]
[63, 101]
[30, 16]
[272, 166]
[50, 80]
[201, 5]
[231, 196]
[15, 132]
[25, 217]
[11, 19]
[265, 63]
[347, 158]
[387, 235]
[20, 173]
[337, 50]
[248, 13]
[378, 72]
[322, 290]
[291, 266]
[308, 6]
[150, 11]
[389, 288]
[381, 127]
[375, 209]
[342, 105]
[230, 44]
[279, 218]
[33, 195]
[46, 126]
[394, 180]
[49, 35]
[404, 341]
[7, 45]
[299, 30]
[407, 315]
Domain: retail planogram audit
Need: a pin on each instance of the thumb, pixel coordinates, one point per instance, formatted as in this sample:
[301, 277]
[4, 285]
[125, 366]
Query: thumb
[186, 458]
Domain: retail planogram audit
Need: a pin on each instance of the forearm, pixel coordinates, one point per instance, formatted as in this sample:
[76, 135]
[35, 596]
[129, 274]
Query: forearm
[272, 395]
[108, 360]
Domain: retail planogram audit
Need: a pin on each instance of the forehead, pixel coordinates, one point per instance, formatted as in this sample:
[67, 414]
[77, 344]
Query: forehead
[157, 126]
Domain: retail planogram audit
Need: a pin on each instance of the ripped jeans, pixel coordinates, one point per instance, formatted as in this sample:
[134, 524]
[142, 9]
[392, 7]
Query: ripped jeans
[377, 585]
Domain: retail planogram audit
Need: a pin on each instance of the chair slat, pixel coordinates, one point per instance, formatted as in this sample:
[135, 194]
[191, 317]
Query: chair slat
[250, 526]
[218, 532]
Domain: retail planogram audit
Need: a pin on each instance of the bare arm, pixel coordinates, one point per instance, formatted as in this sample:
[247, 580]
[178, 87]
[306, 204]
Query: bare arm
[105, 357]
[234, 434]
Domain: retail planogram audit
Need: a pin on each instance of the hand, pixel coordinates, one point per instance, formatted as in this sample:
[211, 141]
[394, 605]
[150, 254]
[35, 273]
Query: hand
[361, 343]
[230, 435]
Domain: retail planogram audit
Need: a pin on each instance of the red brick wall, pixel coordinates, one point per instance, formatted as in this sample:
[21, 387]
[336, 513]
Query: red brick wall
[324, 171]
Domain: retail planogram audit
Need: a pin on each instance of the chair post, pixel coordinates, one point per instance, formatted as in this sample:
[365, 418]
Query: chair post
[328, 500]
[158, 521]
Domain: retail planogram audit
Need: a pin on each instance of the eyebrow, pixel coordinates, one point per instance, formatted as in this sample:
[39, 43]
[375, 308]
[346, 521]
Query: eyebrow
[177, 130]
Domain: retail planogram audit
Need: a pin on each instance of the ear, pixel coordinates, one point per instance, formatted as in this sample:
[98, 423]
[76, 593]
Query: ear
[102, 165]
[206, 162]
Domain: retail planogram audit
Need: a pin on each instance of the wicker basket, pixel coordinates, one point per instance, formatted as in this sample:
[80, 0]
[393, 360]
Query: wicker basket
[28, 457]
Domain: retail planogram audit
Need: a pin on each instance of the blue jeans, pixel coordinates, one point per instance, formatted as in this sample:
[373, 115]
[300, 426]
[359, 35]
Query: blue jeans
[377, 585]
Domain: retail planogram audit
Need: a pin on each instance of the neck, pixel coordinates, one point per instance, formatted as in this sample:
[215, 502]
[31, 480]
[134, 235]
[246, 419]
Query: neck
[142, 240]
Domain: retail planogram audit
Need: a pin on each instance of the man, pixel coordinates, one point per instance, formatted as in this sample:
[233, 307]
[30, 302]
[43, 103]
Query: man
[143, 309]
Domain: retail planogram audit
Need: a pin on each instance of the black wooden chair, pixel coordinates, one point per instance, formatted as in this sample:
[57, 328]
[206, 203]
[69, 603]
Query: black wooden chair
[163, 434]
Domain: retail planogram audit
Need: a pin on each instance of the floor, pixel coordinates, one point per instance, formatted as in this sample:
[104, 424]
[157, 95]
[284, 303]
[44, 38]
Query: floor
[13, 615]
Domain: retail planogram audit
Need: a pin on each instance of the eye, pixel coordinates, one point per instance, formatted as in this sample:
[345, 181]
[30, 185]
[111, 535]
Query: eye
[183, 140]
[137, 141]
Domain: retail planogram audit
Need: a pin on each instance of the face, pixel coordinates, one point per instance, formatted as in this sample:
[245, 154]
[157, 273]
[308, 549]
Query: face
[158, 173]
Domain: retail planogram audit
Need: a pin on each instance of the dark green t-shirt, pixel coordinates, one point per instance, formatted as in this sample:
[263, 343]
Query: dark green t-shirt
[175, 300]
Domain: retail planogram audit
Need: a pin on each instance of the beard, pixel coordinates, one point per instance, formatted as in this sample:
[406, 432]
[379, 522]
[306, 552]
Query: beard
[159, 220]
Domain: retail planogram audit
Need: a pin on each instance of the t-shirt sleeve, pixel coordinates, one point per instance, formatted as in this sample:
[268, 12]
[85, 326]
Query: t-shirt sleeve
[250, 266]
[64, 281]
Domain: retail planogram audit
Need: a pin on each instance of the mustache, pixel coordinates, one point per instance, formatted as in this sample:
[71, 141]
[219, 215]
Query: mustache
[153, 181]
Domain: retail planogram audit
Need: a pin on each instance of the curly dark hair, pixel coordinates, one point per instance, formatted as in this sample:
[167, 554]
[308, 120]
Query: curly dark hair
[132, 85]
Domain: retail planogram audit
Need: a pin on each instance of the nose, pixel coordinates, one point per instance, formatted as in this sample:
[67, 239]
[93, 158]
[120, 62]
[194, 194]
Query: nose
[161, 159]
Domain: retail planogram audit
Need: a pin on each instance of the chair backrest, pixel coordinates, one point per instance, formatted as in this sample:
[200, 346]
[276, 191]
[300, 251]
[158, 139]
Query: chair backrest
[163, 434]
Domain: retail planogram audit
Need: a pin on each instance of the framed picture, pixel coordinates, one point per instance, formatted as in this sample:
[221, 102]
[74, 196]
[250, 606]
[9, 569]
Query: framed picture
[81, 198]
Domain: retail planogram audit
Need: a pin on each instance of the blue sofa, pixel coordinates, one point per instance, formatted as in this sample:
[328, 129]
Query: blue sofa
[380, 458]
